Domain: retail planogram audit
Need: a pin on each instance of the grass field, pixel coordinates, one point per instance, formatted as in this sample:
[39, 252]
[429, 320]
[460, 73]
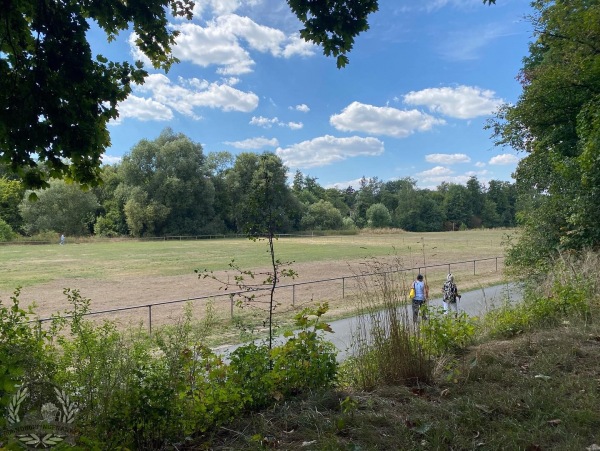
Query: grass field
[127, 273]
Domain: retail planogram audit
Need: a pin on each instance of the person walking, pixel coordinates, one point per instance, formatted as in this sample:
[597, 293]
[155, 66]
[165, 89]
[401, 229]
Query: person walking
[420, 298]
[450, 295]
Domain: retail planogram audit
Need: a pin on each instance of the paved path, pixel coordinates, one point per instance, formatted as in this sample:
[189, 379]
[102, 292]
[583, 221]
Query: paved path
[474, 303]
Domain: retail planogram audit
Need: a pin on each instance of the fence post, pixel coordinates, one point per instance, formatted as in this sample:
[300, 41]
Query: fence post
[474, 267]
[149, 319]
[449, 272]
[343, 287]
[496, 264]
[231, 306]
[293, 295]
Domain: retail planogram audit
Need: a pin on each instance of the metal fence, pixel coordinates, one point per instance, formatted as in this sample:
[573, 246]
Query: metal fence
[342, 287]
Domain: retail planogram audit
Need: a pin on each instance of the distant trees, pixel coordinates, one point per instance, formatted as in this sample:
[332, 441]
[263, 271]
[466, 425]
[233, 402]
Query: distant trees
[63, 208]
[168, 186]
[170, 191]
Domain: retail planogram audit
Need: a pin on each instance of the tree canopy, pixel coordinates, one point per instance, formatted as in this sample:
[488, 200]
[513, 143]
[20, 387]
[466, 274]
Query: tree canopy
[556, 122]
[64, 95]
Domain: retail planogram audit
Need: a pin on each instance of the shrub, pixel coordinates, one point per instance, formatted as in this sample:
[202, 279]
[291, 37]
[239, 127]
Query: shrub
[6, 231]
[443, 333]
[22, 350]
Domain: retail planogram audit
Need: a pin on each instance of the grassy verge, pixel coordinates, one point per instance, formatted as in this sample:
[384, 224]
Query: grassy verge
[539, 391]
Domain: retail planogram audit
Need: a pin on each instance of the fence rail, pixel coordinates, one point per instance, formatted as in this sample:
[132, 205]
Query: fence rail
[292, 286]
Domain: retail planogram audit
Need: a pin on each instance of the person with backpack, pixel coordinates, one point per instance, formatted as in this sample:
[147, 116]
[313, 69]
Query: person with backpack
[420, 297]
[450, 295]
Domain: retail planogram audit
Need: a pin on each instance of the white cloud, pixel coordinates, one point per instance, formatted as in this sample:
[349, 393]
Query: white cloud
[226, 41]
[143, 110]
[293, 125]
[302, 108]
[265, 122]
[480, 164]
[297, 46]
[217, 7]
[504, 159]
[343, 185]
[383, 120]
[435, 172]
[458, 179]
[194, 93]
[462, 102]
[108, 159]
[254, 143]
[446, 158]
[327, 149]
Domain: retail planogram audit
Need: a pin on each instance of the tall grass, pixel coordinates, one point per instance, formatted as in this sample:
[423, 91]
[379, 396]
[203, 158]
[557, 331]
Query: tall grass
[386, 348]
[568, 291]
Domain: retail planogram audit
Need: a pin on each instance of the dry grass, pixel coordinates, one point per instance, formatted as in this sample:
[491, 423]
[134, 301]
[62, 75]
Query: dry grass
[131, 273]
[536, 392]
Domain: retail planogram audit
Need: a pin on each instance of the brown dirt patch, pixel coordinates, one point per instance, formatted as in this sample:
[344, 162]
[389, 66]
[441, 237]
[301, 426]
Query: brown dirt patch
[142, 291]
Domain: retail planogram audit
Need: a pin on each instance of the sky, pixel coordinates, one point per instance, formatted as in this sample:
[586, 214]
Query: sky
[421, 84]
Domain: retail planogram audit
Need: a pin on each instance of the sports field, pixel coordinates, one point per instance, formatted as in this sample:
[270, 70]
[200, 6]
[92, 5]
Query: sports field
[123, 273]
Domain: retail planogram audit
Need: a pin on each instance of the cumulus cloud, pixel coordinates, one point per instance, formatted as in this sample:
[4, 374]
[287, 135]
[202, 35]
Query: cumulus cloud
[435, 172]
[159, 97]
[227, 40]
[462, 102]
[302, 108]
[254, 143]
[504, 159]
[108, 159]
[292, 125]
[343, 185]
[193, 93]
[480, 164]
[265, 122]
[327, 149]
[383, 120]
[446, 158]
[143, 110]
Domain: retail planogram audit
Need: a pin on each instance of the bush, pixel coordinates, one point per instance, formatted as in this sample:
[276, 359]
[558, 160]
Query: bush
[443, 333]
[6, 231]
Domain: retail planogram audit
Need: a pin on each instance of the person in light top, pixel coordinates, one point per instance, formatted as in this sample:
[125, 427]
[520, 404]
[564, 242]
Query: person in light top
[421, 296]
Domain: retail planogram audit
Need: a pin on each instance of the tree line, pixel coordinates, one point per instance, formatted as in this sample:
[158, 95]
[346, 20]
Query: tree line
[169, 186]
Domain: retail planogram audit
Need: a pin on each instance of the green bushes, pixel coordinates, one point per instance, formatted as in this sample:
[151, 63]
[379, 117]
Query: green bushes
[6, 231]
[442, 333]
[567, 291]
[138, 392]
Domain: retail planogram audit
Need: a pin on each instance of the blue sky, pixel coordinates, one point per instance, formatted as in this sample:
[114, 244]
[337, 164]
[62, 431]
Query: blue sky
[413, 101]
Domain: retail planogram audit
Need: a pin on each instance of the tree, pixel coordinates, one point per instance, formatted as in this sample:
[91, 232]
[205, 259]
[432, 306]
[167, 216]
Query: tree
[171, 173]
[378, 216]
[322, 216]
[555, 122]
[457, 207]
[62, 208]
[11, 195]
[66, 95]
[243, 178]
[476, 199]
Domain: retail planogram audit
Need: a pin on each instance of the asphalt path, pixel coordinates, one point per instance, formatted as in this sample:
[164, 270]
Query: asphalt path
[473, 303]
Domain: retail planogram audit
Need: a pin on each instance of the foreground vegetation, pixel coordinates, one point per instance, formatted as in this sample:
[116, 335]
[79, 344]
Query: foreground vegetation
[523, 377]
